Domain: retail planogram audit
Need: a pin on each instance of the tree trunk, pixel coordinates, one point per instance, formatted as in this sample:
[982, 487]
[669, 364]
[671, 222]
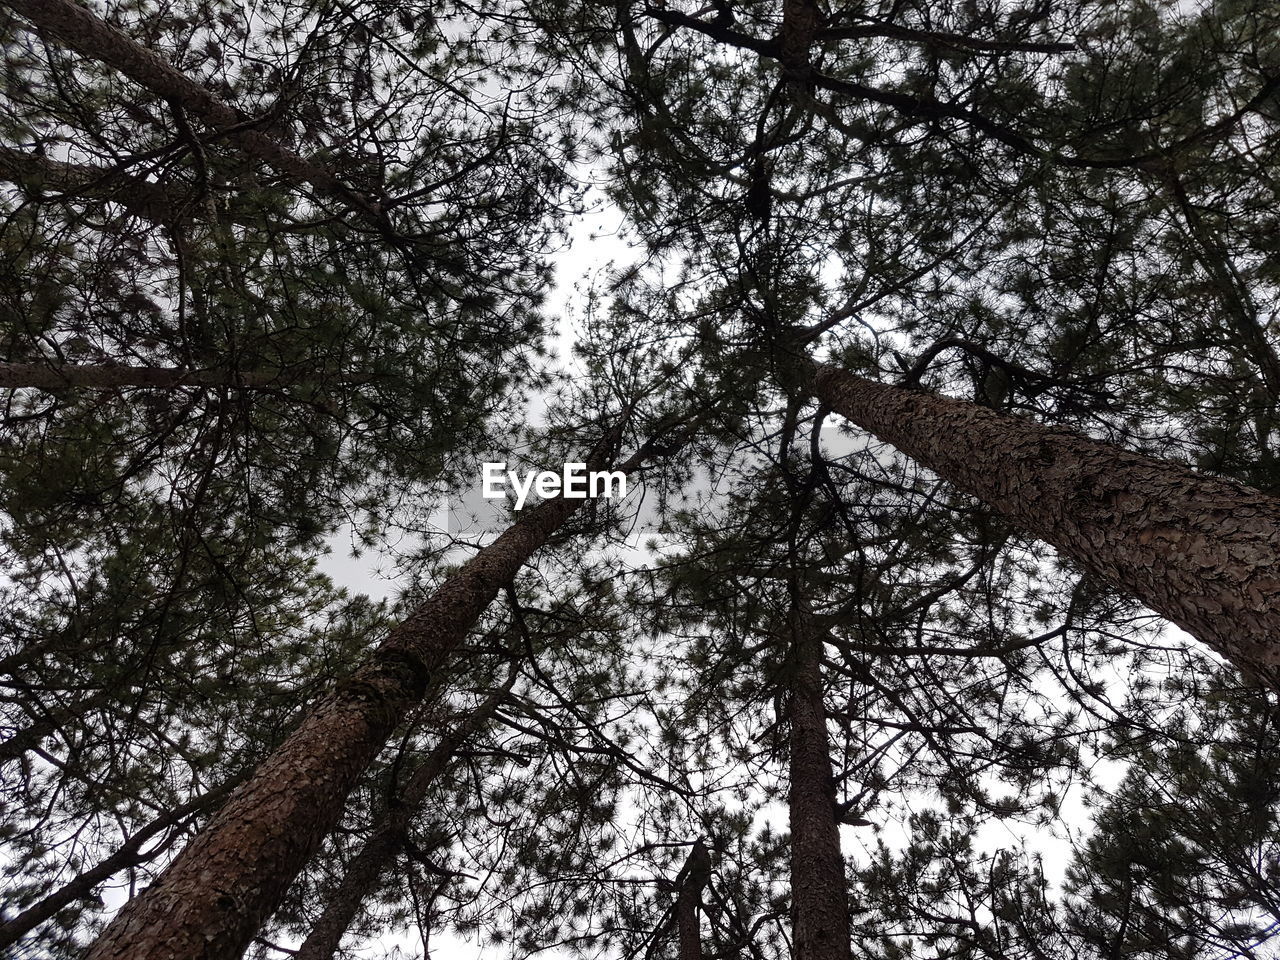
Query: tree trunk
[819, 895]
[1201, 551]
[94, 38]
[801, 20]
[696, 875]
[389, 834]
[128, 855]
[214, 896]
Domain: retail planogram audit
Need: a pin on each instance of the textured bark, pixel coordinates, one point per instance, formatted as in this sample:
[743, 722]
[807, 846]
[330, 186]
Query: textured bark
[388, 836]
[92, 37]
[217, 892]
[128, 855]
[801, 20]
[695, 876]
[1201, 551]
[819, 896]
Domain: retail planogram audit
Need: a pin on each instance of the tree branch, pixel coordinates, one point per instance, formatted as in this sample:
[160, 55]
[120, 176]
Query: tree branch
[94, 38]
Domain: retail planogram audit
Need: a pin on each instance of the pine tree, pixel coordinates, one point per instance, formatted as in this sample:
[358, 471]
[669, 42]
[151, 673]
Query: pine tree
[1197, 549]
[215, 895]
[785, 303]
[390, 832]
[267, 279]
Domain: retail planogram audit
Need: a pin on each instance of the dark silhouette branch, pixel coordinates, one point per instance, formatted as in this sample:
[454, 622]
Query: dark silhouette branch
[38, 174]
[110, 376]
[92, 37]
[922, 109]
[942, 38]
[130, 854]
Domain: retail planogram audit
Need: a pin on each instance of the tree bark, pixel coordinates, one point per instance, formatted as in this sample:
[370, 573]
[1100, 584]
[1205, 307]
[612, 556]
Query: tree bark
[819, 894]
[128, 855]
[1201, 551]
[801, 20]
[94, 38]
[388, 836]
[215, 895]
[696, 874]
[217, 892]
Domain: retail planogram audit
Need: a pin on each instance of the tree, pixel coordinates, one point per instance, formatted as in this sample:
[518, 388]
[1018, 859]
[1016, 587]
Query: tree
[374, 341]
[938, 684]
[799, 142]
[820, 924]
[213, 898]
[370, 354]
[390, 832]
[182, 701]
[1183, 857]
[693, 881]
[763, 196]
[129, 854]
[271, 277]
[1196, 549]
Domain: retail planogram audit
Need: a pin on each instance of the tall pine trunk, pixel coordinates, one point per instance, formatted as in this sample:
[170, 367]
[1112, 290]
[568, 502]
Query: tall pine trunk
[388, 836]
[215, 895]
[694, 878]
[1201, 551]
[819, 895]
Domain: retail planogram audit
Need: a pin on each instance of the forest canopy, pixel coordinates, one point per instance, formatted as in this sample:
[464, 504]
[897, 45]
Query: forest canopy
[939, 347]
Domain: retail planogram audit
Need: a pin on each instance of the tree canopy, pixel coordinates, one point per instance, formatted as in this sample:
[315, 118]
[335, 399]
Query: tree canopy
[943, 364]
